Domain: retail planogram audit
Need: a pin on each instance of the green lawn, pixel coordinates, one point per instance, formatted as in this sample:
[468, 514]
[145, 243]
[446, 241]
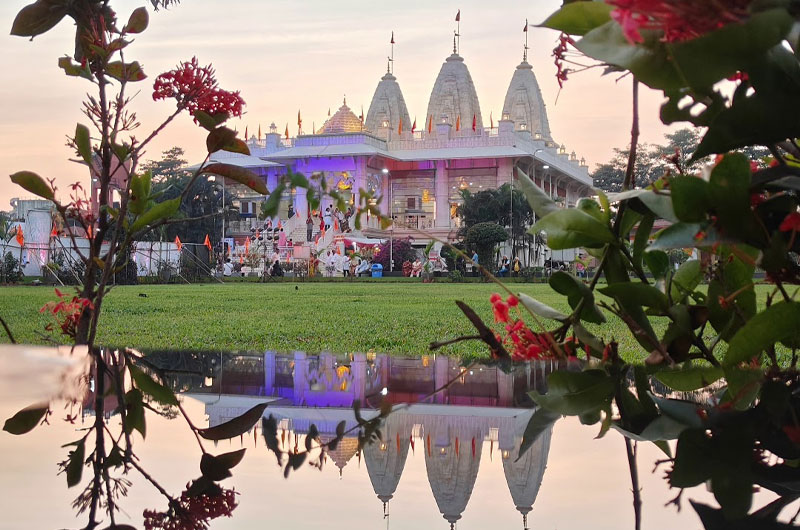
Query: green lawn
[393, 317]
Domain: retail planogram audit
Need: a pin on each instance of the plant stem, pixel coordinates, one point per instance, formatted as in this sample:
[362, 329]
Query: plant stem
[8, 331]
[630, 448]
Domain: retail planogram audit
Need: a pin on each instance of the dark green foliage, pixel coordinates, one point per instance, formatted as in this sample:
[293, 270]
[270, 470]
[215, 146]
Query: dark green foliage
[483, 238]
[402, 251]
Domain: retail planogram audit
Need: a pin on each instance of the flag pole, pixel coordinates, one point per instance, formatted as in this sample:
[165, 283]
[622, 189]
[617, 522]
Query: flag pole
[525, 50]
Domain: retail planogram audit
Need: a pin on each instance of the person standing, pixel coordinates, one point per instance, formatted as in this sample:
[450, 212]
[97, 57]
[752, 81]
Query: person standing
[475, 263]
[281, 239]
[309, 227]
[328, 219]
[516, 267]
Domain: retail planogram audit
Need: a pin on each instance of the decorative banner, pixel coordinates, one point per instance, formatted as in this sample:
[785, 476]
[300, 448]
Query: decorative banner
[178, 243]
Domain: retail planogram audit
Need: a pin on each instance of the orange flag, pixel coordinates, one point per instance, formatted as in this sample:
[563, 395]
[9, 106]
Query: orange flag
[20, 236]
[430, 123]
[458, 123]
[400, 127]
[336, 225]
[286, 133]
[54, 232]
[414, 125]
[259, 131]
[247, 245]
[458, 16]
[207, 243]
[178, 243]
[474, 122]
[491, 120]
[245, 132]
[280, 225]
[299, 122]
[241, 260]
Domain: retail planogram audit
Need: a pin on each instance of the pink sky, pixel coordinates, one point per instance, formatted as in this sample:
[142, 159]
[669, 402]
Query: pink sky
[286, 56]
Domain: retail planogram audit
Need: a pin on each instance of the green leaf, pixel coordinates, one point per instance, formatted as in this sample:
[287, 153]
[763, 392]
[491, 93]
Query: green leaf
[215, 469]
[719, 54]
[540, 309]
[162, 210]
[74, 468]
[238, 174]
[235, 427]
[689, 377]
[540, 202]
[642, 238]
[37, 18]
[134, 408]
[685, 280]
[541, 421]
[269, 207]
[299, 180]
[660, 204]
[125, 71]
[776, 323]
[137, 22]
[33, 183]
[644, 294]
[648, 62]
[572, 228]
[576, 291]
[574, 393]
[73, 69]
[209, 122]
[26, 419]
[83, 143]
[151, 387]
[690, 198]
[657, 263]
[693, 459]
[744, 385]
[684, 412]
[579, 18]
[686, 235]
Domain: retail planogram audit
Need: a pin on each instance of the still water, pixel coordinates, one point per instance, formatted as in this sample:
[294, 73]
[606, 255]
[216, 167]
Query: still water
[448, 460]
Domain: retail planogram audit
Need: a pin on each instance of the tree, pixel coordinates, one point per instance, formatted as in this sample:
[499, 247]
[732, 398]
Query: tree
[401, 251]
[495, 206]
[483, 238]
[203, 204]
[649, 167]
[171, 166]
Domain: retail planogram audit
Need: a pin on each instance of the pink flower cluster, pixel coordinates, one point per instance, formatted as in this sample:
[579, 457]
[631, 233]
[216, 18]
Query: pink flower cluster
[193, 513]
[195, 89]
[67, 312]
[679, 20]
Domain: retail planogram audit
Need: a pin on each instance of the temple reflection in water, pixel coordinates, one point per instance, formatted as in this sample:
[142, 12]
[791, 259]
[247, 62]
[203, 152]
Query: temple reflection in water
[483, 405]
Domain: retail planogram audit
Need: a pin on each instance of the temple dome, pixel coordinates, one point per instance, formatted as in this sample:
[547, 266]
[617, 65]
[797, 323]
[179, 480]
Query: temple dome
[345, 450]
[524, 104]
[343, 121]
[454, 95]
[387, 107]
[386, 459]
[524, 474]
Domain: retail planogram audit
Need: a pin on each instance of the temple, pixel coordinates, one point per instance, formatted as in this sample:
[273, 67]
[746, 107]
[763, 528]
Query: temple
[477, 419]
[418, 170]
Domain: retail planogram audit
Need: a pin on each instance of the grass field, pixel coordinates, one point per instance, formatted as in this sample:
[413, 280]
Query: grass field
[398, 318]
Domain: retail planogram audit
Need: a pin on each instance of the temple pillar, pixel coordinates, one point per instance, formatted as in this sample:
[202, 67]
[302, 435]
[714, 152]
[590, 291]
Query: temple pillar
[300, 378]
[386, 193]
[301, 202]
[269, 373]
[442, 219]
[358, 370]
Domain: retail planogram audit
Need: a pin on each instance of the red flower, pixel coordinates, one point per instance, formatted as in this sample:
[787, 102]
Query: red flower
[756, 199]
[495, 298]
[195, 89]
[679, 20]
[790, 223]
[500, 311]
[512, 301]
[192, 512]
[754, 166]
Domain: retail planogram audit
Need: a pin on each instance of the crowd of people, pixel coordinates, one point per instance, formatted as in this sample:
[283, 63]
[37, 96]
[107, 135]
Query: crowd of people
[337, 265]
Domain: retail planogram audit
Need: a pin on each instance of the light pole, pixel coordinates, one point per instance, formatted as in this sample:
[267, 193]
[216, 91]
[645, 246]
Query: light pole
[213, 178]
[385, 171]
